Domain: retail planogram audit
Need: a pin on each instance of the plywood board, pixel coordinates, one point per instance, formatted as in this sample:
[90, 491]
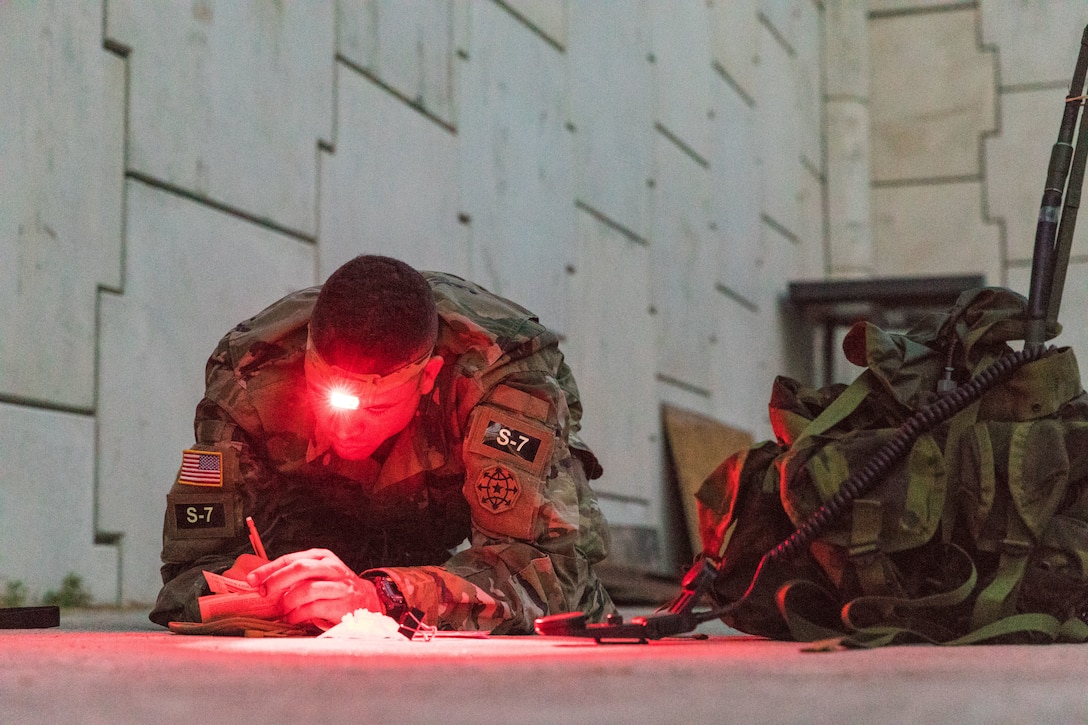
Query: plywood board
[697, 445]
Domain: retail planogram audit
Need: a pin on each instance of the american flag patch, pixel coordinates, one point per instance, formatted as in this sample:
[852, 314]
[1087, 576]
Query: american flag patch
[201, 468]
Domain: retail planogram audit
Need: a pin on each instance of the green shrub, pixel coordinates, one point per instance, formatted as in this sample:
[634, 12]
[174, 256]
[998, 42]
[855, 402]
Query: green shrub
[14, 594]
[71, 594]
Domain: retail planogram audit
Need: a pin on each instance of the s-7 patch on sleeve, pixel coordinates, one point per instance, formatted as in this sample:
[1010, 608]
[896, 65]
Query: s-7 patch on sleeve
[200, 516]
[201, 468]
[513, 439]
[507, 459]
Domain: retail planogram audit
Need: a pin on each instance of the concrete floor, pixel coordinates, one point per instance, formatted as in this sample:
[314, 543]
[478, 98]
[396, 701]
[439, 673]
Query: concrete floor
[113, 667]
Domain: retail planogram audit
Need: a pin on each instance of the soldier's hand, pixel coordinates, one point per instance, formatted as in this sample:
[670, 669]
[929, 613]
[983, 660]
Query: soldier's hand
[314, 586]
[244, 564]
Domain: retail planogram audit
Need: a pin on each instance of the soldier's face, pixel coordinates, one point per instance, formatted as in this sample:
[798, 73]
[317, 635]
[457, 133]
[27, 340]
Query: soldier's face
[356, 426]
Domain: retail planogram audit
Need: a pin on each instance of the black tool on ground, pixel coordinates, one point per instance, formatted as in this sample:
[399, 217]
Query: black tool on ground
[1053, 239]
[29, 617]
[676, 618]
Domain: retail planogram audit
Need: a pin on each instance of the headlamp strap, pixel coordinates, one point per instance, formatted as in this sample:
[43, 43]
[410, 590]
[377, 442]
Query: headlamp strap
[365, 383]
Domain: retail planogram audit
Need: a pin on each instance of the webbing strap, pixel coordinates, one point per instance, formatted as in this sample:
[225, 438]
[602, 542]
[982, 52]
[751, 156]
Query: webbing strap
[857, 610]
[865, 553]
[1042, 627]
[1073, 630]
[797, 596]
[959, 423]
[841, 407]
[1038, 624]
[998, 599]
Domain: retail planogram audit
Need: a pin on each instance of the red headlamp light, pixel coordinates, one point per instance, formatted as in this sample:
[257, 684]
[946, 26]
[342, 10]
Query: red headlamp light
[343, 401]
[343, 390]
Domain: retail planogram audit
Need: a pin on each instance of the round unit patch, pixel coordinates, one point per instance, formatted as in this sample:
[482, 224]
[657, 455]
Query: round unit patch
[498, 489]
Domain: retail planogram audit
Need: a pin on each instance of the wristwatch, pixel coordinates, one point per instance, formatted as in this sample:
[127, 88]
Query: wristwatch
[392, 600]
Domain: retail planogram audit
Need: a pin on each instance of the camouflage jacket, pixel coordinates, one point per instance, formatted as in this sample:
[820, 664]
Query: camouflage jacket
[490, 468]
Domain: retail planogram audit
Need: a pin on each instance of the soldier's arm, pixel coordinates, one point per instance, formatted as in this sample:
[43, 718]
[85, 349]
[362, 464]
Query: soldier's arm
[536, 526]
[203, 527]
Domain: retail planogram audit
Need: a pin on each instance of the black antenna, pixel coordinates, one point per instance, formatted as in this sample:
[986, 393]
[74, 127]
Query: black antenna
[1048, 264]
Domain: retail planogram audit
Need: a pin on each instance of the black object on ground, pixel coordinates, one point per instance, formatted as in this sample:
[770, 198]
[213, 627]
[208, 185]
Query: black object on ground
[29, 617]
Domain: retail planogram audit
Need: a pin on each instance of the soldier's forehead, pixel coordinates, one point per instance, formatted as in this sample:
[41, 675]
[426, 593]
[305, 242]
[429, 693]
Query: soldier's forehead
[373, 395]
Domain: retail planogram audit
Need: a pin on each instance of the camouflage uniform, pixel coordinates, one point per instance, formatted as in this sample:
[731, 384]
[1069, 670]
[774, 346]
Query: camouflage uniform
[491, 455]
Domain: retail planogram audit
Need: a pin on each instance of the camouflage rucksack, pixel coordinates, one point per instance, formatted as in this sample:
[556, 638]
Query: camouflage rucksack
[977, 530]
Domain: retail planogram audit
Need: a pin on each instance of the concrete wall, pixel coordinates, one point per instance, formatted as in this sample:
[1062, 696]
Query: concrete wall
[646, 175]
[947, 116]
[966, 102]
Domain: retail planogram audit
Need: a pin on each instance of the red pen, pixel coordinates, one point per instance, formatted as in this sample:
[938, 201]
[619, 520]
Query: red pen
[255, 538]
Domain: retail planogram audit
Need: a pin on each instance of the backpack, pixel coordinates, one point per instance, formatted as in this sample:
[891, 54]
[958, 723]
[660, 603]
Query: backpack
[897, 513]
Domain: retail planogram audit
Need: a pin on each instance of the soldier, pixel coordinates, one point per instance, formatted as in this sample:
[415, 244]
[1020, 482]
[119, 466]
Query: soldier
[401, 440]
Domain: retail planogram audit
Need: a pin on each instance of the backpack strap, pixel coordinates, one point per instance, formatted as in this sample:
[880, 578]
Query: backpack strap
[1039, 628]
[959, 423]
[841, 407]
[998, 599]
[800, 606]
[1035, 627]
[837, 411]
[810, 612]
[865, 555]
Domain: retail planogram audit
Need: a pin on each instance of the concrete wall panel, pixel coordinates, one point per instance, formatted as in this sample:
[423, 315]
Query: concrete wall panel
[193, 273]
[849, 200]
[787, 19]
[684, 263]
[734, 29]
[741, 391]
[516, 164]
[800, 23]
[736, 192]
[613, 121]
[938, 227]
[804, 31]
[547, 17]
[810, 230]
[391, 185]
[1016, 166]
[610, 349]
[407, 45]
[1071, 312]
[61, 160]
[680, 40]
[229, 100]
[782, 345]
[785, 255]
[846, 38]
[889, 7]
[847, 139]
[47, 504]
[780, 143]
[932, 95]
[1016, 29]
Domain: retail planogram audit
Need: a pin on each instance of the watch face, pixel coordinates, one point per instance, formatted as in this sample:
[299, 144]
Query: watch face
[391, 598]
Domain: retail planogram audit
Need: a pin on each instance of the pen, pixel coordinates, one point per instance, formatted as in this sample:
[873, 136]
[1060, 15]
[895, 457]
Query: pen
[255, 538]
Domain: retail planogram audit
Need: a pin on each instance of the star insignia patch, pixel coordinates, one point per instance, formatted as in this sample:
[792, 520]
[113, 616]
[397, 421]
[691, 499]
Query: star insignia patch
[497, 489]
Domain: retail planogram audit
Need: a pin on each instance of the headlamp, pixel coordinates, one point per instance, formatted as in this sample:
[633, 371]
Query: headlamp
[344, 390]
[343, 401]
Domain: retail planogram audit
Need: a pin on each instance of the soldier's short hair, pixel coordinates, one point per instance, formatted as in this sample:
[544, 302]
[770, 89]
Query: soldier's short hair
[373, 315]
